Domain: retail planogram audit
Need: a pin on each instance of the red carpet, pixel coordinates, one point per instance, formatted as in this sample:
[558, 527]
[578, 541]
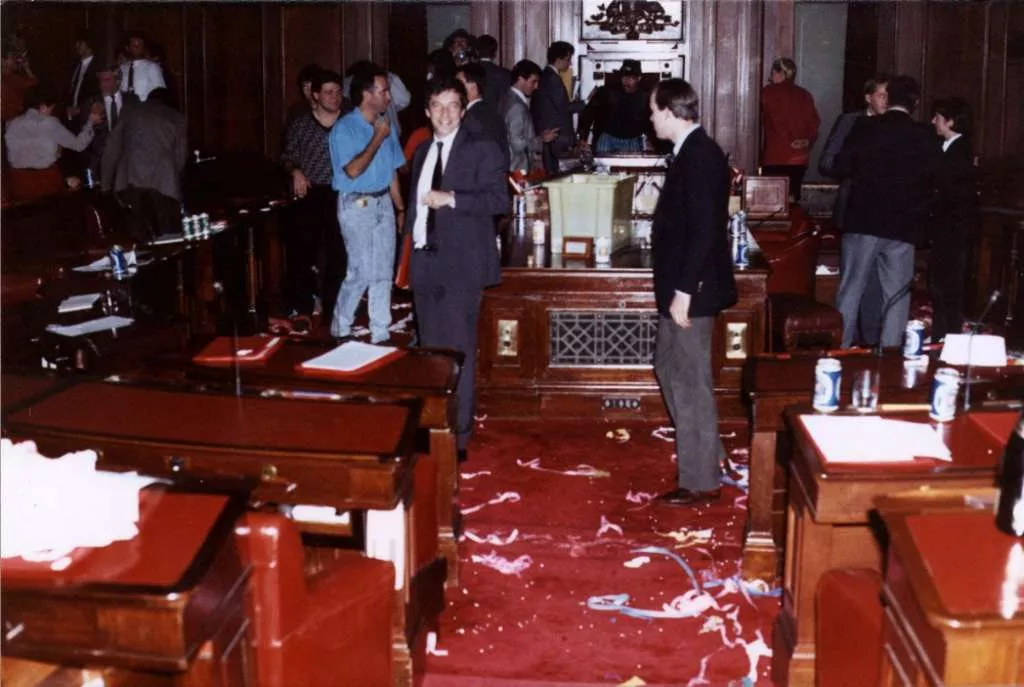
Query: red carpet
[553, 576]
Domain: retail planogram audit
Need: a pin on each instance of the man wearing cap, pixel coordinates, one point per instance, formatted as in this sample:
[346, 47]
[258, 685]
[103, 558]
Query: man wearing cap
[618, 113]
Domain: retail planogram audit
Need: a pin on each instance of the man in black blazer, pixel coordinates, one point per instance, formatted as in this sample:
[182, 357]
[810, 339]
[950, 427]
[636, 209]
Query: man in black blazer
[890, 161]
[83, 86]
[456, 187]
[693, 282]
[480, 117]
[499, 79]
[550, 105]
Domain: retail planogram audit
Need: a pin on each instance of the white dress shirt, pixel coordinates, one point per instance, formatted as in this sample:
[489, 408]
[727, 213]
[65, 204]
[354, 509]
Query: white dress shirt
[147, 75]
[78, 78]
[949, 141]
[419, 227]
[116, 98]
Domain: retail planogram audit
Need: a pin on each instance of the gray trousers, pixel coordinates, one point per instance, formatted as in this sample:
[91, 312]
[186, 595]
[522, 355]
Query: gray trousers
[893, 262]
[682, 364]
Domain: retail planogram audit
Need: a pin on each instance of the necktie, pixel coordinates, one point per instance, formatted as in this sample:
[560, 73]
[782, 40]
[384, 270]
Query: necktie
[131, 76]
[74, 84]
[113, 113]
[435, 185]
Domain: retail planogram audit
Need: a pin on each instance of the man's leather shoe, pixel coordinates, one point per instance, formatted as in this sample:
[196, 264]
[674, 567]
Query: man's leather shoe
[685, 497]
[462, 455]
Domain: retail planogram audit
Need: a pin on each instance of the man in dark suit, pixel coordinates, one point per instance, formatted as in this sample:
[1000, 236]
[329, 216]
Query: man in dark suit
[111, 103]
[499, 79]
[693, 282]
[889, 160]
[550, 105]
[480, 117]
[83, 85]
[143, 163]
[456, 188]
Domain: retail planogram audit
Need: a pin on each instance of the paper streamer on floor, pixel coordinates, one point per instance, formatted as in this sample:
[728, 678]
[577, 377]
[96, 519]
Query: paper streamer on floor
[493, 539]
[502, 564]
[580, 470]
[607, 526]
[504, 497]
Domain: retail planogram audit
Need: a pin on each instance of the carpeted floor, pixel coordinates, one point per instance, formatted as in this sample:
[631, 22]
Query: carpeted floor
[571, 577]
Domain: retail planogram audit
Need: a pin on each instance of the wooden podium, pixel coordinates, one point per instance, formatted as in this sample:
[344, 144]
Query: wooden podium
[165, 608]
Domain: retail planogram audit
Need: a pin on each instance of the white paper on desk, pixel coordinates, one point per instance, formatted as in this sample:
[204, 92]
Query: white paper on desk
[349, 357]
[98, 325]
[80, 302]
[986, 350]
[323, 515]
[871, 439]
[104, 264]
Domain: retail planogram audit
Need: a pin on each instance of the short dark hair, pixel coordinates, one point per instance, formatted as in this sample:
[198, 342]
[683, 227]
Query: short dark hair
[438, 86]
[679, 98]
[474, 73]
[308, 73]
[441, 64]
[872, 84]
[128, 36]
[363, 78]
[459, 33]
[41, 95]
[904, 91]
[86, 36]
[487, 46]
[957, 111]
[524, 69]
[325, 76]
[560, 50]
[114, 69]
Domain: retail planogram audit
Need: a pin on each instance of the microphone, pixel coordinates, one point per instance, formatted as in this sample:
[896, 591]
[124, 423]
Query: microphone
[974, 327]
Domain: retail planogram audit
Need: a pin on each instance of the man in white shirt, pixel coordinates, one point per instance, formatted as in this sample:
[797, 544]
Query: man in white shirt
[139, 74]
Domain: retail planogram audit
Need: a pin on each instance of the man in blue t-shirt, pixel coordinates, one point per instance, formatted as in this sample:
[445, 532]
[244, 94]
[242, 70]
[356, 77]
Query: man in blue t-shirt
[365, 157]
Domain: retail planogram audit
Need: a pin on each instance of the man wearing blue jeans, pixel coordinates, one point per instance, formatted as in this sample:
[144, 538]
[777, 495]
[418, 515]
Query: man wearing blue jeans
[365, 157]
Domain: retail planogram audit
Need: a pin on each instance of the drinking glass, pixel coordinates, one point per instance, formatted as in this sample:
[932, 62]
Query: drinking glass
[865, 391]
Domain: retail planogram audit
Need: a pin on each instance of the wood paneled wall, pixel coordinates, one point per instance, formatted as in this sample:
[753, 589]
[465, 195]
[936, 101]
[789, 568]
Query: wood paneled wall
[233, 65]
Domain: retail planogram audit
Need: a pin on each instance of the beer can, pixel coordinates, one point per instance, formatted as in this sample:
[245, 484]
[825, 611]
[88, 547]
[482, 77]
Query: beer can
[945, 384]
[118, 261]
[913, 341]
[204, 224]
[827, 381]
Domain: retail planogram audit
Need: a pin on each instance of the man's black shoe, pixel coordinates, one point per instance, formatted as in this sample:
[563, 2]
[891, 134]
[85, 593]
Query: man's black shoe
[685, 497]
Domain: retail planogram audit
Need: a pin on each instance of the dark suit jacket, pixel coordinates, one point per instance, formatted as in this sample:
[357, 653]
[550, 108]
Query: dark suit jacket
[690, 230]
[957, 189]
[90, 82]
[551, 109]
[465, 254]
[484, 120]
[890, 161]
[94, 153]
[827, 162]
[147, 149]
[499, 80]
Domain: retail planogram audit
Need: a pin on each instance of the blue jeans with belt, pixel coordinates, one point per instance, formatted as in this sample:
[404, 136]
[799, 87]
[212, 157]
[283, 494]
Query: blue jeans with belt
[608, 144]
[368, 229]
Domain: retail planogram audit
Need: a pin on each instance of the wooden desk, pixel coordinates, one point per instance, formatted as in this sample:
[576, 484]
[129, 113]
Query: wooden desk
[774, 382]
[181, 579]
[565, 338]
[350, 454]
[828, 524]
[427, 375]
[952, 609]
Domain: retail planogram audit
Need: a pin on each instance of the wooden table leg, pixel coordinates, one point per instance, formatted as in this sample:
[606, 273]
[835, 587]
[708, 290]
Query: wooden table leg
[760, 554]
[442, 449]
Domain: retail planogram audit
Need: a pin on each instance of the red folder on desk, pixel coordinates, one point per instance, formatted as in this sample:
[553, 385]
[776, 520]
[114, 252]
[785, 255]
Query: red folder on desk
[246, 350]
[997, 425]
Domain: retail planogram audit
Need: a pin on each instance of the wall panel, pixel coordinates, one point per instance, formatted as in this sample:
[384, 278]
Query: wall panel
[233, 75]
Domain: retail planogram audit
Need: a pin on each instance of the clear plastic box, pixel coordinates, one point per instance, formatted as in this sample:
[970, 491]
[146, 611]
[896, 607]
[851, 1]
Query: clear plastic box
[591, 205]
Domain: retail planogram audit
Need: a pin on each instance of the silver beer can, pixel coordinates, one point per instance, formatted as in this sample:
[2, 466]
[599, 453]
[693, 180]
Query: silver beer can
[913, 341]
[828, 375]
[945, 385]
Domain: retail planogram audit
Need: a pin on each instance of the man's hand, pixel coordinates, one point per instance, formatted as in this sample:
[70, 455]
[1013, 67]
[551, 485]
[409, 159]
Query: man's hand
[73, 112]
[381, 128]
[680, 309]
[300, 184]
[438, 199]
[96, 118]
[549, 135]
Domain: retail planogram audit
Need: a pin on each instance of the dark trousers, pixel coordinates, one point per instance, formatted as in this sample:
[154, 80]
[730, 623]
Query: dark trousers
[448, 318]
[947, 267]
[150, 213]
[682, 364]
[312, 238]
[869, 318]
[794, 172]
